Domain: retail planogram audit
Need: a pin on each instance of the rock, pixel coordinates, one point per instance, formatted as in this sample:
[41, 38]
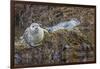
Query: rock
[17, 58]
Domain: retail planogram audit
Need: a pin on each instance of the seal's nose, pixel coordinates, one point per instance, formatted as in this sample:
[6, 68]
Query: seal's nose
[36, 28]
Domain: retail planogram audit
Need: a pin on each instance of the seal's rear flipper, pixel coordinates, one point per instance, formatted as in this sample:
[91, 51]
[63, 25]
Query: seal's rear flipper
[36, 45]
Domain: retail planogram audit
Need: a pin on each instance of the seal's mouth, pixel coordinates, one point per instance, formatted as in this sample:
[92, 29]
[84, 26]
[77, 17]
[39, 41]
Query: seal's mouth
[36, 30]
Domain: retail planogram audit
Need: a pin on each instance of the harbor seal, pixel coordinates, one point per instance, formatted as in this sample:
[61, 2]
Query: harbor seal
[34, 34]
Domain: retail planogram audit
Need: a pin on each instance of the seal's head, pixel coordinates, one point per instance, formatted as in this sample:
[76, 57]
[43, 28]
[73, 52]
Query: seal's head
[35, 27]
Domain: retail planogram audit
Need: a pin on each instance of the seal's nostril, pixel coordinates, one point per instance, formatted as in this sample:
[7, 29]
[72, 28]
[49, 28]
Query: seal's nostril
[36, 28]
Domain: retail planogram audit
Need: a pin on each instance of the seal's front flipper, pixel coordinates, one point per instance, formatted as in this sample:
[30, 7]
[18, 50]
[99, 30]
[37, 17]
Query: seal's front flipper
[45, 31]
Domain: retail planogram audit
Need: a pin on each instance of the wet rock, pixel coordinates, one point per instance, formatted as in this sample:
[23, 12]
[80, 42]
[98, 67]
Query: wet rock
[17, 58]
[56, 57]
[67, 47]
[85, 46]
[27, 58]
